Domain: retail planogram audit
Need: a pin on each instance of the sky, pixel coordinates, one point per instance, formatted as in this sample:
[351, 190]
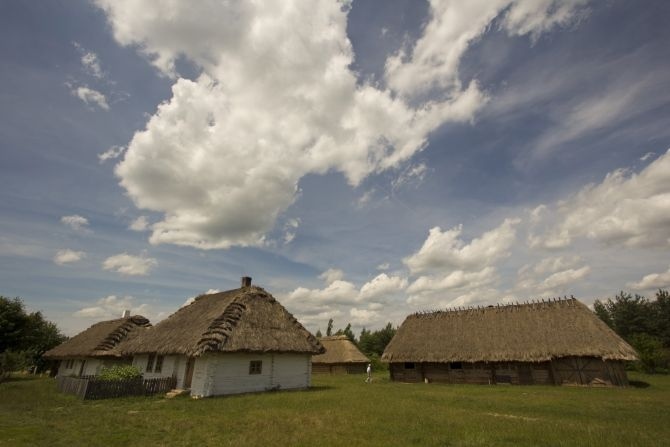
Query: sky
[360, 160]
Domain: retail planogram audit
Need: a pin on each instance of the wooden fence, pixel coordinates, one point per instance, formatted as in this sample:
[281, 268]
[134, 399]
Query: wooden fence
[93, 388]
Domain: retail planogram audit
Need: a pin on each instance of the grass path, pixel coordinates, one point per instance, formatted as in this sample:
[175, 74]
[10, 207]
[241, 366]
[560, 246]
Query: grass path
[344, 411]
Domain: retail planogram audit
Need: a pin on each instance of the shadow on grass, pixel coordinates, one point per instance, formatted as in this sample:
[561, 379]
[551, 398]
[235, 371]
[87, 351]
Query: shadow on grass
[320, 388]
[21, 378]
[638, 384]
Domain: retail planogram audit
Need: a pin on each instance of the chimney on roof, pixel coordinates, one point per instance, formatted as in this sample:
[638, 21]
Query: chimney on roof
[126, 314]
[246, 281]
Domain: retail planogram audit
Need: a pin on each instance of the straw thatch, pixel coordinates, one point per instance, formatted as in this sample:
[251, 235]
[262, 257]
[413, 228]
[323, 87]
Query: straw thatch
[339, 350]
[100, 340]
[242, 320]
[533, 332]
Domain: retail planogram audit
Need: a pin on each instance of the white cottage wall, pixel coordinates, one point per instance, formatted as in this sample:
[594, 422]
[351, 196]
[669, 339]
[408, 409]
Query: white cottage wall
[292, 371]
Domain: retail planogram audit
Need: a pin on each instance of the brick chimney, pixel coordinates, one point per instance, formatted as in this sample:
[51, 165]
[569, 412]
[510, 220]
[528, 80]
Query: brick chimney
[246, 281]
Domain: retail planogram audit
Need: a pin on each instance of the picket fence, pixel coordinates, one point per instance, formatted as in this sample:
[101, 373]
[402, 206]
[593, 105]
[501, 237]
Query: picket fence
[93, 388]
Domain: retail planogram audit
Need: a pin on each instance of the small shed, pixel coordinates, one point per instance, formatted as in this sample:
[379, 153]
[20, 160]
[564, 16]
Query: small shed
[238, 341]
[341, 357]
[553, 342]
[88, 352]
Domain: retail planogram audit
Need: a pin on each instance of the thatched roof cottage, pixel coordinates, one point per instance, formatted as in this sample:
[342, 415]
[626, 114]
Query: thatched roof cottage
[96, 347]
[555, 342]
[341, 357]
[231, 342]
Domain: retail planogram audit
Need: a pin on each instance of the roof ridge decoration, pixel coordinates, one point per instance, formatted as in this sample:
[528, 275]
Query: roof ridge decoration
[218, 332]
[533, 304]
[118, 334]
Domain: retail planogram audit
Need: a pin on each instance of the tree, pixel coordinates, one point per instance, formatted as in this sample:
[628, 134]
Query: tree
[318, 333]
[329, 329]
[348, 332]
[626, 314]
[24, 336]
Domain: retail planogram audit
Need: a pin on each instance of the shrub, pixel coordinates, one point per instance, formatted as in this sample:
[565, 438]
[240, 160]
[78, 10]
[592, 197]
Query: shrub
[124, 372]
[11, 361]
[653, 359]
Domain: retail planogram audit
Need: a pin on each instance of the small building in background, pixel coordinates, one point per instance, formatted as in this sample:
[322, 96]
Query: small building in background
[555, 342]
[88, 352]
[238, 341]
[341, 357]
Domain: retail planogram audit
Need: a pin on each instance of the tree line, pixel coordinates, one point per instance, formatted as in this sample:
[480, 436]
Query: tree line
[24, 337]
[643, 323]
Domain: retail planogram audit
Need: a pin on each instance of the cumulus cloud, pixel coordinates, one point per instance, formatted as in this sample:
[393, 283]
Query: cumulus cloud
[75, 221]
[551, 276]
[191, 299]
[67, 256]
[111, 307]
[446, 250]
[91, 97]
[139, 224]
[412, 175]
[111, 153]
[130, 265]
[277, 100]
[626, 209]
[652, 281]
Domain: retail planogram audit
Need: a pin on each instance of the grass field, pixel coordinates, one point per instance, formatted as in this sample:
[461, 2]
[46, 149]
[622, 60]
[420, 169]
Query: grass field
[344, 411]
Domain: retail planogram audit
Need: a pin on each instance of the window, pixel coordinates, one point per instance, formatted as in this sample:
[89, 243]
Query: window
[69, 364]
[159, 364]
[255, 367]
[456, 365]
[409, 365]
[150, 362]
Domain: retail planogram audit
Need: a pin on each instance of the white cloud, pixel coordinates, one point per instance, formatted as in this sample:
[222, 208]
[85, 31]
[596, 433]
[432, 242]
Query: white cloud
[91, 97]
[112, 307]
[139, 224]
[191, 299]
[627, 209]
[90, 61]
[331, 275]
[652, 281]
[446, 250]
[647, 156]
[111, 153]
[126, 264]
[411, 175]
[67, 256]
[277, 101]
[382, 286]
[290, 228]
[551, 276]
[384, 266]
[75, 221]
[434, 61]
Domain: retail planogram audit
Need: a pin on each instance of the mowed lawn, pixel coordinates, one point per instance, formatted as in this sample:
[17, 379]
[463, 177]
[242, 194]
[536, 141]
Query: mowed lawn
[344, 411]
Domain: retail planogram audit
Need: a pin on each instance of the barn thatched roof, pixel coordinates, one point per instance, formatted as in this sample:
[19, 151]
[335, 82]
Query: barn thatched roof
[339, 349]
[248, 319]
[100, 340]
[532, 332]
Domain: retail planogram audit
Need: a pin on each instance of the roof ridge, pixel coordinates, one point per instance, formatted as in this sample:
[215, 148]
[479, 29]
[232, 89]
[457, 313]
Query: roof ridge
[532, 304]
[218, 332]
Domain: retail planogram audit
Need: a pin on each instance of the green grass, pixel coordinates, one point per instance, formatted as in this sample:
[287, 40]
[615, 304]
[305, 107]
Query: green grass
[344, 411]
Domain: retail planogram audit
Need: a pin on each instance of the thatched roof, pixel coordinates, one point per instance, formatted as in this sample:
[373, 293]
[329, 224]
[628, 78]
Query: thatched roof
[242, 320]
[528, 332]
[339, 349]
[100, 340]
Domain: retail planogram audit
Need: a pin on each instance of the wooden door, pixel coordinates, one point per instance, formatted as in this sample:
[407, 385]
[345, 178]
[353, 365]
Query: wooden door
[188, 376]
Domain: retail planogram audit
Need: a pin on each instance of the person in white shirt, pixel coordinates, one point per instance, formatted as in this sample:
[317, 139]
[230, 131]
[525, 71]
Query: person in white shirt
[368, 379]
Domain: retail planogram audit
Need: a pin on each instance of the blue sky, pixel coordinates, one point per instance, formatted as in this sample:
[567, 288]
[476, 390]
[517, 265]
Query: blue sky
[360, 160]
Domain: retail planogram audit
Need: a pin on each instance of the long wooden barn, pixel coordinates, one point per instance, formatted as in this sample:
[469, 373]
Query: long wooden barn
[555, 342]
[341, 357]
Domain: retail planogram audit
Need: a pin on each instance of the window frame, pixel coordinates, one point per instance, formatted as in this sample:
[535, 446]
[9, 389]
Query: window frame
[158, 363]
[255, 367]
[150, 363]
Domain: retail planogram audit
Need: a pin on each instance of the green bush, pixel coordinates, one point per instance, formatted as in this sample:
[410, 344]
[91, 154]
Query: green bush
[653, 358]
[124, 372]
[11, 361]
